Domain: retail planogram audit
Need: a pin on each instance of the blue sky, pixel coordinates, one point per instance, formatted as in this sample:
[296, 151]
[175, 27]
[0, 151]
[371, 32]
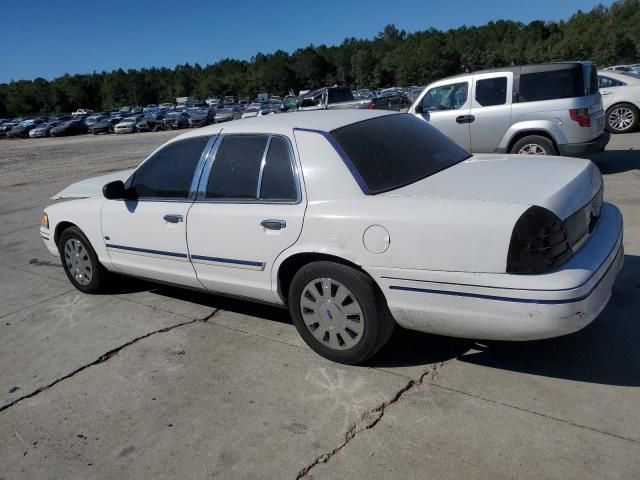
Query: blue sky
[45, 38]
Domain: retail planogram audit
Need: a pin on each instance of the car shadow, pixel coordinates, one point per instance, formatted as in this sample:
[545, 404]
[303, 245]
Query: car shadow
[605, 352]
[617, 161]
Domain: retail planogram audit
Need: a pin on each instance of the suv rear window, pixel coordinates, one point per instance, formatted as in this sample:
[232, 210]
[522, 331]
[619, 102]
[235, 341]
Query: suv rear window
[395, 150]
[551, 85]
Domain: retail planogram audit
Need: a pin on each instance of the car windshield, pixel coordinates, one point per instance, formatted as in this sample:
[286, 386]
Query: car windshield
[395, 150]
[173, 115]
[225, 110]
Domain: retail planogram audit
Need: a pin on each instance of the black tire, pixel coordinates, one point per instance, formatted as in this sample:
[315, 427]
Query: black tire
[99, 275]
[378, 324]
[539, 143]
[622, 126]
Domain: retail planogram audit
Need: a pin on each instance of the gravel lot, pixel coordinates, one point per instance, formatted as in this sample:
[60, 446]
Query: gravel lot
[157, 382]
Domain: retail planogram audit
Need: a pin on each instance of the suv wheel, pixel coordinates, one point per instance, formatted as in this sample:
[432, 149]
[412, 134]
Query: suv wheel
[80, 262]
[338, 312]
[622, 118]
[534, 145]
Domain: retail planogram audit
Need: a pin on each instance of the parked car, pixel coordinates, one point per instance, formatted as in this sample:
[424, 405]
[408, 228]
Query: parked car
[259, 111]
[330, 98]
[7, 126]
[42, 130]
[620, 68]
[546, 109]
[127, 124]
[92, 119]
[81, 112]
[224, 115]
[201, 117]
[176, 120]
[505, 247]
[22, 129]
[104, 125]
[151, 122]
[71, 127]
[621, 99]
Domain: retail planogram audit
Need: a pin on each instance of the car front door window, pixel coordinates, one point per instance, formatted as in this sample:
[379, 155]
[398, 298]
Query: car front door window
[446, 97]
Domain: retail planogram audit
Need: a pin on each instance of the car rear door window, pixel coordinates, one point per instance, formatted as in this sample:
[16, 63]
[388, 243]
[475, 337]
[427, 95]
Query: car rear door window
[491, 91]
[236, 167]
[278, 180]
[168, 173]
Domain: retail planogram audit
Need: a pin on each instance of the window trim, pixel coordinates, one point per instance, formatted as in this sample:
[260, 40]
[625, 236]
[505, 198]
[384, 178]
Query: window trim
[194, 180]
[201, 193]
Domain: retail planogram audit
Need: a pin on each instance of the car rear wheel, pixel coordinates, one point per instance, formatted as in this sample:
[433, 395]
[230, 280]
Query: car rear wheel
[339, 312]
[80, 262]
[622, 118]
[534, 145]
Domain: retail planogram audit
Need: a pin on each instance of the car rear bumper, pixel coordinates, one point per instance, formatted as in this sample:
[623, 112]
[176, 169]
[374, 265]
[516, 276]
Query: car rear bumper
[510, 307]
[579, 149]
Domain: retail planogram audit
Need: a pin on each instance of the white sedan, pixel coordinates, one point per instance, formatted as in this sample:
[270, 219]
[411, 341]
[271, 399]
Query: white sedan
[356, 220]
[621, 100]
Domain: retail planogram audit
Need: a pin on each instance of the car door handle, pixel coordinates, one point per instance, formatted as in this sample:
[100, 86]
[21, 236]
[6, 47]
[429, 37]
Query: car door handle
[173, 218]
[273, 224]
[465, 119]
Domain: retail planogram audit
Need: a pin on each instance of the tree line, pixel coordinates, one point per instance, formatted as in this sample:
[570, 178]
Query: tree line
[606, 35]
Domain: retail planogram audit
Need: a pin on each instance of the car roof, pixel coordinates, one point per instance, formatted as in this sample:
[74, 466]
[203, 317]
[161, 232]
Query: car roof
[530, 68]
[627, 77]
[283, 123]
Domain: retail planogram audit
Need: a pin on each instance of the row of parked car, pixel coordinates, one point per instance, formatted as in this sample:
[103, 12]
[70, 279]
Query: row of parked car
[558, 108]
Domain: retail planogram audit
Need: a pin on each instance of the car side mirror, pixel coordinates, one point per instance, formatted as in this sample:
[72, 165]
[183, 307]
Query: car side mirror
[114, 190]
[418, 108]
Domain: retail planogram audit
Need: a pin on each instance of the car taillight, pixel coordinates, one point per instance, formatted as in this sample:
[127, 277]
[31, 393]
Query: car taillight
[539, 242]
[371, 105]
[581, 115]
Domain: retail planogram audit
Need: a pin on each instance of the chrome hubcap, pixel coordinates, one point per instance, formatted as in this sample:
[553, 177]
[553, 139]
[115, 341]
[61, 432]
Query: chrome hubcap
[621, 118]
[532, 149]
[77, 260]
[332, 314]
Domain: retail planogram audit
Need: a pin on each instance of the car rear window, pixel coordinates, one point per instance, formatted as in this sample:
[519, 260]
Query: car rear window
[551, 85]
[389, 152]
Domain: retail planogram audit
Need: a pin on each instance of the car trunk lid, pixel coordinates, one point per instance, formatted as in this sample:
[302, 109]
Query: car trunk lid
[560, 184]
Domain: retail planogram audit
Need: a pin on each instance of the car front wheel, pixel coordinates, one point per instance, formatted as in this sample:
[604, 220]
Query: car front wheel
[80, 262]
[339, 312]
[622, 118]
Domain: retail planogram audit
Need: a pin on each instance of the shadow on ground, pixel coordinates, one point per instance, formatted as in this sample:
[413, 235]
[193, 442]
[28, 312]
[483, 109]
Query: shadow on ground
[617, 161]
[606, 352]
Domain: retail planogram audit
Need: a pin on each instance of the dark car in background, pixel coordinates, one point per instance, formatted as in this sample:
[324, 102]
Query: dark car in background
[68, 128]
[176, 120]
[150, 122]
[42, 130]
[201, 117]
[224, 115]
[22, 129]
[104, 125]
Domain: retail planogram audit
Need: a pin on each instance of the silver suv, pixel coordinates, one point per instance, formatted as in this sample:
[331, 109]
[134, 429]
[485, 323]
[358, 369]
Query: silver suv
[545, 109]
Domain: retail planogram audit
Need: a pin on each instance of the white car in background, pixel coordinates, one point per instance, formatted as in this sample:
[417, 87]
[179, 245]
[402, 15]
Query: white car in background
[621, 100]
[356, 220]
[127, 124]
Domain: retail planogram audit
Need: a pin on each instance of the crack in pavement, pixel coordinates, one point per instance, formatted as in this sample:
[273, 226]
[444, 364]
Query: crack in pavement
[369, 419]
[106, 356]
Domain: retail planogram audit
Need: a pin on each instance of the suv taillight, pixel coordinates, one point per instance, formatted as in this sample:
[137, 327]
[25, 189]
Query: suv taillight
[539, 242]
[581, 115]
